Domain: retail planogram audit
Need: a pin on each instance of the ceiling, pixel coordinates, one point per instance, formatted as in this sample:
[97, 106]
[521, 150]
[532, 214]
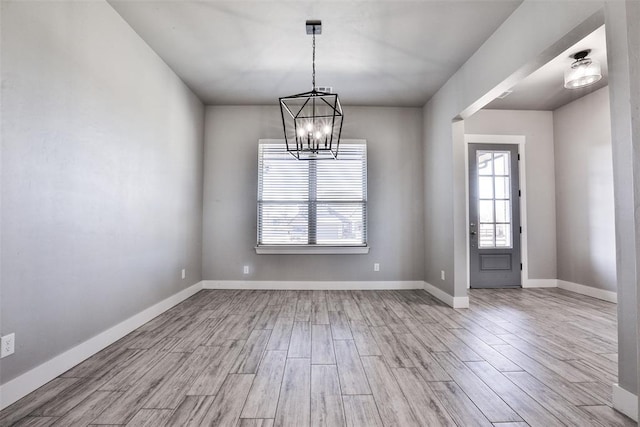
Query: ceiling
[544, 88]
[374, 52]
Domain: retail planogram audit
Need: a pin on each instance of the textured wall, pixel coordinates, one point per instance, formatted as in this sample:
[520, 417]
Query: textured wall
[395, 206]
[584, 192]
[101, 177]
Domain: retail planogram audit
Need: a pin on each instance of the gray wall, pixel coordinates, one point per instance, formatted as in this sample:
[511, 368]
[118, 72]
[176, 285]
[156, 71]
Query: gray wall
[633, 33]
[101, 177]
[584, 192]
[537, 128]
[535, 33]
[395, 205]
[622, 50]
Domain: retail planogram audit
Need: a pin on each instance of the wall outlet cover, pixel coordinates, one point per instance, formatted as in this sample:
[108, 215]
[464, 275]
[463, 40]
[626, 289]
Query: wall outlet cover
[376, 267]
[7, 345]
[441, 274]
[184, 273]
[245, 270]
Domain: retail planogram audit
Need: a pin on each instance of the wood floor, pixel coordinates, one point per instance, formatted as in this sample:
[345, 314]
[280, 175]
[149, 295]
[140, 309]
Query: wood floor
[543, 357]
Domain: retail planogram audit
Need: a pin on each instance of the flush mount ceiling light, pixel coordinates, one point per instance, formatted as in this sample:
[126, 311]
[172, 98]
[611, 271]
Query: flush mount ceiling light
[312, 120]
[583, 72]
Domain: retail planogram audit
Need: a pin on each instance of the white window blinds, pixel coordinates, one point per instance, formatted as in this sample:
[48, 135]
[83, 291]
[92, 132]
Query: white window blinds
[312, 202]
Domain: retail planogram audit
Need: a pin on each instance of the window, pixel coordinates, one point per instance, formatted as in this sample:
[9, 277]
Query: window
[312, 203]
[494, 201]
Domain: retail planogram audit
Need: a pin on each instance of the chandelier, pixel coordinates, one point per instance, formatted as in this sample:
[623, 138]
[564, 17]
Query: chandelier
[312, 121]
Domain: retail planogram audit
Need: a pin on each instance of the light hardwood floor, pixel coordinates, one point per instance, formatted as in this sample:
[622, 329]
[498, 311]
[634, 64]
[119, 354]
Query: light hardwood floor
[543, 357]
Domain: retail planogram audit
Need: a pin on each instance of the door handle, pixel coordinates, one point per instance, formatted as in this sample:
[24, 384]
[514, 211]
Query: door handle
[473, 233]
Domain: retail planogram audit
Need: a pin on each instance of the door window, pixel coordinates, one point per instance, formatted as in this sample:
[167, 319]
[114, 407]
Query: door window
[494, 199]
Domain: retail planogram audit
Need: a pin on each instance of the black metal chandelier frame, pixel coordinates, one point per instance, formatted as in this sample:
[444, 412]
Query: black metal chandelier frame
[312, 121]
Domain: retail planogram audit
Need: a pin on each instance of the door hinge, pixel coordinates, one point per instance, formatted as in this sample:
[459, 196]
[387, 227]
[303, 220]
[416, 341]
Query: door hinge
[518, 156]
[520, 230]
[519, 193]
[520, 266]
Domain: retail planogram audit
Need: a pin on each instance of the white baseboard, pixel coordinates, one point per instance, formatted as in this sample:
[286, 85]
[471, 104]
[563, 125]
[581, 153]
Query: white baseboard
[539, 283]
[455, 302]
[589, 291]
[312, 285]
[19, 387]
[626, 402]
[451, 301]
[573, 287]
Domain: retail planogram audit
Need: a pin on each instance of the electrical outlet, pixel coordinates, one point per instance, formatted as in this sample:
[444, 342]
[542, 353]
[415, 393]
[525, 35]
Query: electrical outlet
[441, 274]
[184, 273]
[7, 343]
[376, 266]
[245, 270]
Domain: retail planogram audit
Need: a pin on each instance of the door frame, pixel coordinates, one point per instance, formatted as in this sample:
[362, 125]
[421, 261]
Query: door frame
[520, 141]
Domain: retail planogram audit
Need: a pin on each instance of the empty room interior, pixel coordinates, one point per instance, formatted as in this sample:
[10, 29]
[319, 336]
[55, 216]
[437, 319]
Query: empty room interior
[319, 213]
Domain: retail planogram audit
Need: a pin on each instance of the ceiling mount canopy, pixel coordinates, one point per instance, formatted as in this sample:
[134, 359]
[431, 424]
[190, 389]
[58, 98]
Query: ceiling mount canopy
[312, 121]
[583, 72]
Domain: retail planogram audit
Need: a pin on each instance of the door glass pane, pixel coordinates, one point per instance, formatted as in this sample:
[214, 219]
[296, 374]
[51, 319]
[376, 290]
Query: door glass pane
[502, 187]
[487, 236]
[486, 211]
[485, 163]
[503, 211]
[485, 187]
[494, 194]
[503, 235]
[501, 163]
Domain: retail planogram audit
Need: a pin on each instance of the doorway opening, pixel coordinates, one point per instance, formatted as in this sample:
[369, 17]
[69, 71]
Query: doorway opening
[572, 178]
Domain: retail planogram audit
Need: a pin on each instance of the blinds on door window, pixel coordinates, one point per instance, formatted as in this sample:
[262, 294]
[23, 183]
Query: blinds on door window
[312, 202]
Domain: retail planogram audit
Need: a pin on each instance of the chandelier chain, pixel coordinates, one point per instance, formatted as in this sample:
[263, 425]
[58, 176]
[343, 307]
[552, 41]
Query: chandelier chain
[313, 80]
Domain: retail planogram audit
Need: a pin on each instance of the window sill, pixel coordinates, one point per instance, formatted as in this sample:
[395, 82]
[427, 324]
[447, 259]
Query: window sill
[301, 250]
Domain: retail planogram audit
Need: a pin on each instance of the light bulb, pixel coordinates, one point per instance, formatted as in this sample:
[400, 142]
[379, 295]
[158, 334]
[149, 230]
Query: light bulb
[309, 127]
[327, 130]
[318, 135]
[300, 132]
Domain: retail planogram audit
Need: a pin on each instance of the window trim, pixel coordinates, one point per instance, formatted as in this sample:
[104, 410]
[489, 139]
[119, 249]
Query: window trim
[317, 249]
[309, 249]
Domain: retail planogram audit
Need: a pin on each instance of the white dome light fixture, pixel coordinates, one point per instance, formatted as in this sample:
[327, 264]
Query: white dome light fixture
[583, 72]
